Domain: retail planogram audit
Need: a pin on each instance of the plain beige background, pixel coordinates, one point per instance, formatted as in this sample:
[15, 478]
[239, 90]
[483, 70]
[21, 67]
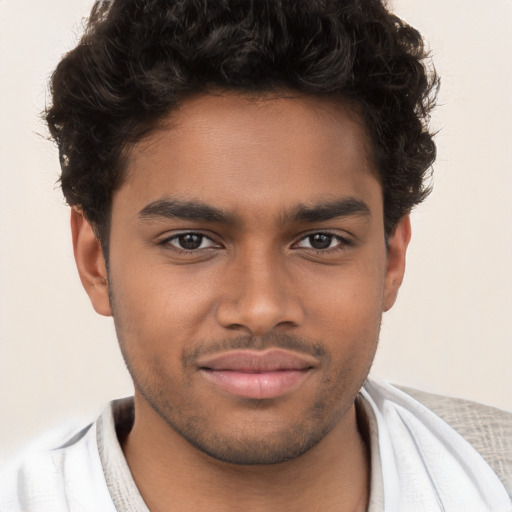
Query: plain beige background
[450, 331]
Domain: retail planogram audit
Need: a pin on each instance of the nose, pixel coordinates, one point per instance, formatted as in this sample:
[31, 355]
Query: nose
[259, 295]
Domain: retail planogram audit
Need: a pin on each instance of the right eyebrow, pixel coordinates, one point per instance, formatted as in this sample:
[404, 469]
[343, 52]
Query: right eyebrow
[185, 210]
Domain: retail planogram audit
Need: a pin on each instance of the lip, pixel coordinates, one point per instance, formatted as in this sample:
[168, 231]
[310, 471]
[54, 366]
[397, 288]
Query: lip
[257, 374]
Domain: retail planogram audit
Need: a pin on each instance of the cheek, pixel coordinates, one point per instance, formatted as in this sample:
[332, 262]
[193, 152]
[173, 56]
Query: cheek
[346, 311]
[348, 295]
[158, 306]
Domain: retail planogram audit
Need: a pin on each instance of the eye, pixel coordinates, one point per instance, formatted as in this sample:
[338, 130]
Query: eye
[322, 241]
[189, 241]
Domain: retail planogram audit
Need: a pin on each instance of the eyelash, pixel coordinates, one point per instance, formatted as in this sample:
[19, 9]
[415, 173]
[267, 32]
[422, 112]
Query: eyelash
[344, 243]
[167, 242]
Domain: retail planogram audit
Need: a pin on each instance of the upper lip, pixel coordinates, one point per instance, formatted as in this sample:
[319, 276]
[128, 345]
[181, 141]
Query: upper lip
[257, 361]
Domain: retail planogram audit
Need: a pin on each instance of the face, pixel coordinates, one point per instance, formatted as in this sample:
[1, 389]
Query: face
[248, 272]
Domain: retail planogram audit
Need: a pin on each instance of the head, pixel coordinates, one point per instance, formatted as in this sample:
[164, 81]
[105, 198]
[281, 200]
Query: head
[139, 60]
[242, 174]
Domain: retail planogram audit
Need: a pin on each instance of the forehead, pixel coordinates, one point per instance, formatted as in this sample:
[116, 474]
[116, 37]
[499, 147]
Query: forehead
[245, 153]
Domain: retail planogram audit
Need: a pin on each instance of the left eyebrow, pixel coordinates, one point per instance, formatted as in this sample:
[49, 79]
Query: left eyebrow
[344, 207]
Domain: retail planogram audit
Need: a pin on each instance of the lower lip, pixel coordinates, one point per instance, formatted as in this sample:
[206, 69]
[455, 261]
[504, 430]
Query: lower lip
[257, 385]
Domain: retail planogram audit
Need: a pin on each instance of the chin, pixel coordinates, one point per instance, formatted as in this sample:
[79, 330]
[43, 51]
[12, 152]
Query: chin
[244, 449]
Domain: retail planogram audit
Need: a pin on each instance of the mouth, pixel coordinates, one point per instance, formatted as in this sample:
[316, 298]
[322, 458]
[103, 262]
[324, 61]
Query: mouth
[257, 374]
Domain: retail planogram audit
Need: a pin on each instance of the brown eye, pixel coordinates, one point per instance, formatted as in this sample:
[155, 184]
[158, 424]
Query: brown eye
[189, 241]
[320, 241]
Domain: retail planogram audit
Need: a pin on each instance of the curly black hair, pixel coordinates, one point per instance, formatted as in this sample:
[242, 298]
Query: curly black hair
[138, 59]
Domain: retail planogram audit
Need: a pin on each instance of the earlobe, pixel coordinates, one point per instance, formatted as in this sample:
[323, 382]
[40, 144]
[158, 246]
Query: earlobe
[90, 262]
[397, 249]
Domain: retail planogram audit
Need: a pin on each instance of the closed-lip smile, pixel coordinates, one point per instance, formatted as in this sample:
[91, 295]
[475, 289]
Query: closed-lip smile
[257, 374]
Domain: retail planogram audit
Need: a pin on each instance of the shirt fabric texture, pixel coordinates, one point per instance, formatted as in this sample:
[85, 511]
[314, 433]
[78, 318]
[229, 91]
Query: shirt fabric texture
[428, 453]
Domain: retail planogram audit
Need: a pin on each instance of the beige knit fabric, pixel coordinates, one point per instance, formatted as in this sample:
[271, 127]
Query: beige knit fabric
[488, 429]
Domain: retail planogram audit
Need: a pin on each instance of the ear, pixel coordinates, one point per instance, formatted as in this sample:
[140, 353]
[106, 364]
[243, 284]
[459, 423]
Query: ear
[397, 249]
[90, 262]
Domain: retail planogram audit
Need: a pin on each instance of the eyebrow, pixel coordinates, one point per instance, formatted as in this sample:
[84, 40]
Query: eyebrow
[339, 208]
[185, 210]
[168, 208]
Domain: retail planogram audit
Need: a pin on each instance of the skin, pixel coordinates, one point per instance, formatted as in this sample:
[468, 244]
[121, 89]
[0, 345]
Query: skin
[257, 281]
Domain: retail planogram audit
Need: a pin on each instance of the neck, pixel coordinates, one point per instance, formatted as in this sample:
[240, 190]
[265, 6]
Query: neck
[333, 475]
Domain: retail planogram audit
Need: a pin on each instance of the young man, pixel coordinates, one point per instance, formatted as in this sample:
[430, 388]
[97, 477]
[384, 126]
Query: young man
[240, 175]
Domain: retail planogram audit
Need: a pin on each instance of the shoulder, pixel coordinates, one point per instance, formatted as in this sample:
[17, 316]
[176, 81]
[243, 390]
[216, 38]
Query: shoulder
[56, 472]
[487, 429]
